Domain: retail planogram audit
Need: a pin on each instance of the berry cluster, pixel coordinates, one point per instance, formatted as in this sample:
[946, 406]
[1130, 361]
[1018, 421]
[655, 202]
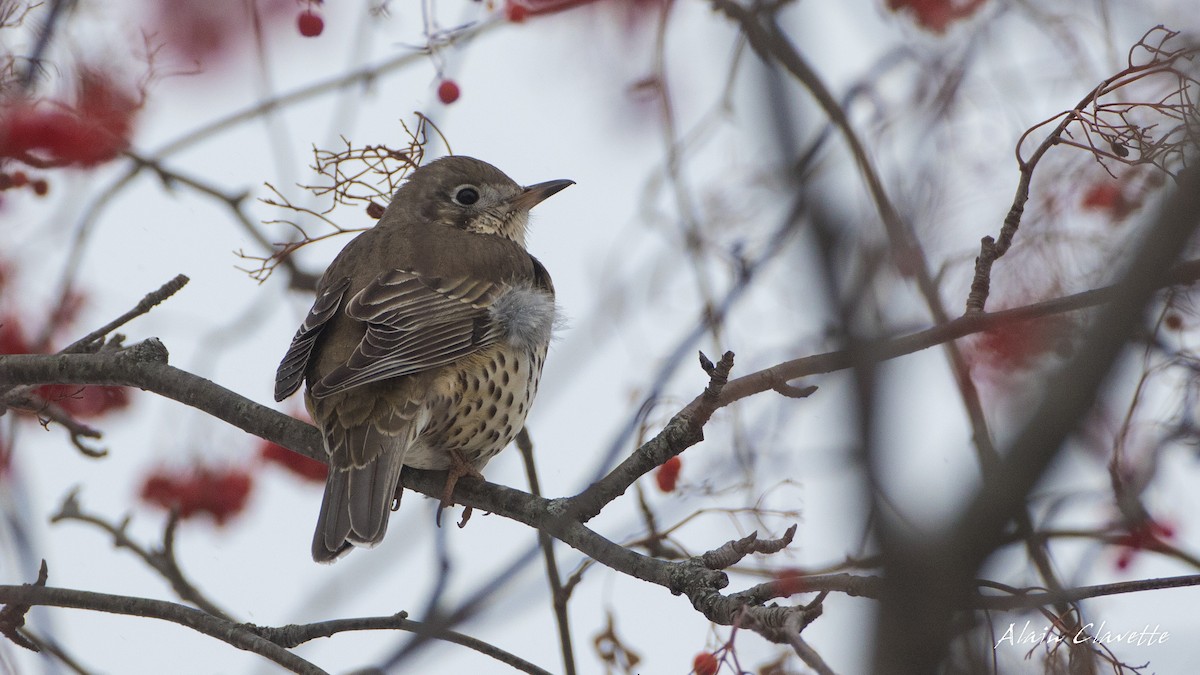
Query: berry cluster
[220, 493]
[308, 469]
[91, 131]
[20, 180]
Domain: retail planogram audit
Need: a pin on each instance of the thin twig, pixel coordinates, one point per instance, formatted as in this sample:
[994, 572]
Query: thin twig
[163, 560]
[808, 655]
[558, 595]
[47, 646]
[296, 634]
[152, 300]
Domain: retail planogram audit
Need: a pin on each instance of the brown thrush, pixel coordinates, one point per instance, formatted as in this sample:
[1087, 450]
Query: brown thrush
[425, 344]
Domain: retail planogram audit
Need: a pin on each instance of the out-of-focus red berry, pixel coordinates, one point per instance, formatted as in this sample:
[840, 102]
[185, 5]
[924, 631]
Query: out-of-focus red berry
[310, 23]
[538, 7]
[85, 402]
[41, 187]
[307, 468]
[937, 15]
[667, 475]
[515, 11]
[212, 33]
[1146, 535]
[1173, 321]
[12, 338]
[789, 582]
[448, 91]
[92, 131]
[1020, 344]
[1106, 196]
[19, 179]
[219, 493]
[705, 664]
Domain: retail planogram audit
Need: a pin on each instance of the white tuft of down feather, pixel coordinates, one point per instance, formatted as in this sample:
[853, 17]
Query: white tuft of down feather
[526, 317]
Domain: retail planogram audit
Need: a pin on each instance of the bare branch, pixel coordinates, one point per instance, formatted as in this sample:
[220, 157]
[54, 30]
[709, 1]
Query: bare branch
[682, 432]
[12, 616]
[732, 553]
[153, 299]
[202, 622]
[1167, 150]
[558, 595]
[162, 560]
[923, 586]
[293, 635]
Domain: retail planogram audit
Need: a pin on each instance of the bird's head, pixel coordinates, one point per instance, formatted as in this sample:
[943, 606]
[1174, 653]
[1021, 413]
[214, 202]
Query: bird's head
[473, 195]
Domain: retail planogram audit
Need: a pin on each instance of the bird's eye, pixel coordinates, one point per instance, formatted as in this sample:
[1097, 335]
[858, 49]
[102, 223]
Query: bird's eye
[466, 196]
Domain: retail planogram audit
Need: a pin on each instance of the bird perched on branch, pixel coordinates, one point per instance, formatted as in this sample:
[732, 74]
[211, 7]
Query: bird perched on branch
[425, 343]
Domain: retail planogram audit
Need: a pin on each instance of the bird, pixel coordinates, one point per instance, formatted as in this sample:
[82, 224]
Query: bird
[425, 344]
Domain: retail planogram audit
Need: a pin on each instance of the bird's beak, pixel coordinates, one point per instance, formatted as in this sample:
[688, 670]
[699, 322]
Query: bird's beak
[535, 194]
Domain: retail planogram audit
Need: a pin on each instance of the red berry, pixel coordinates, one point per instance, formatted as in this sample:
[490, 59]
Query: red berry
[19, 179]
[1106, 196]
[41, 187]
[1173, 321]
[95, 130]
[448, 91]
[667, 475]
[515, 11]
[219, 493]
[308, 469]
[85, 402]
[705, 664]
[789, 582]
[310, 23]
[12, 338]
[1164, 530]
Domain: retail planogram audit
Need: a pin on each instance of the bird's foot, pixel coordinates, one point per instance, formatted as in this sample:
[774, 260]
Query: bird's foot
[459, 468]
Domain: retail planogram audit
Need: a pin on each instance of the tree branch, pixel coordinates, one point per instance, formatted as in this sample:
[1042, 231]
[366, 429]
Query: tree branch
[924, 583]
[558, 595]
[162, 560]
[297, 634]
[202, 622]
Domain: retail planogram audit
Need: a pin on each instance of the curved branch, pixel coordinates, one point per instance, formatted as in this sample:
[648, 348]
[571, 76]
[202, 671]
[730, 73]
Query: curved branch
[144, 366]
[202, 622]
[684, 430]
[297, 634]
[924, 584]
[770, 378]
[558, 595]
[162, 560]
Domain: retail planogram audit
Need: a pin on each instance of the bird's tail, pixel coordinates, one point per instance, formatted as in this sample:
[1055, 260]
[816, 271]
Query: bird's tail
[358, 499]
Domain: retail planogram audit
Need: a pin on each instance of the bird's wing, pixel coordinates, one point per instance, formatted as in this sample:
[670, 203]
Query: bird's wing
[414, 323]
[291, 370]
